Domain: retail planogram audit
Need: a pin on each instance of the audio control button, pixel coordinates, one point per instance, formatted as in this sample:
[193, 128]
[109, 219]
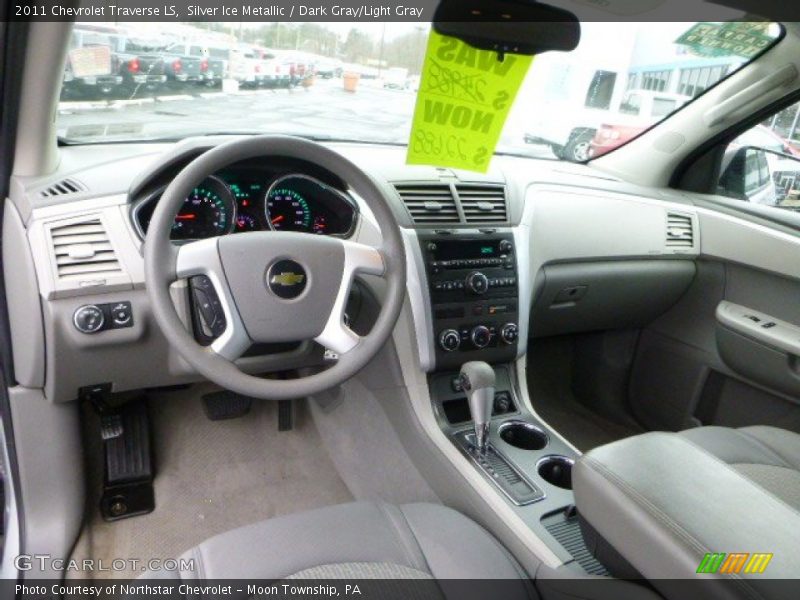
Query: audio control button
[477, 282]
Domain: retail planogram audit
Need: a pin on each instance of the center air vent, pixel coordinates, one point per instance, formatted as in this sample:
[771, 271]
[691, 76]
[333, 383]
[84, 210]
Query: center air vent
[429, 204]
[83, 249]
[483, 203]
[680, 231]
[62, 188]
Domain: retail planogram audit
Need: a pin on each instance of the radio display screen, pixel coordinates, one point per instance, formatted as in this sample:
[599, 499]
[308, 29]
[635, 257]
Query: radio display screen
[451, 249]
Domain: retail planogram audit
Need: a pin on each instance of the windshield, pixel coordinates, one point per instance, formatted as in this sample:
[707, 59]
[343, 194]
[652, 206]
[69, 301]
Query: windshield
[346, 81]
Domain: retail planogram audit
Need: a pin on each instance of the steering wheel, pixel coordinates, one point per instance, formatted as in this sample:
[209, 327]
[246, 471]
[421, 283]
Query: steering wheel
[274, 286]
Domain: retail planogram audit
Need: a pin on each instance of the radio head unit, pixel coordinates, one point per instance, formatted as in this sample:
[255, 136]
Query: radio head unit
[472, 281]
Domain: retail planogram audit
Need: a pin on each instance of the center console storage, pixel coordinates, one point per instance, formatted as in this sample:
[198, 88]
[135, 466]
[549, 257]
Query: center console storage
[472, 281]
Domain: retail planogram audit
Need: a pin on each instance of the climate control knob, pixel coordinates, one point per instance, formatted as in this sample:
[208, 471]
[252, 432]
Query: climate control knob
[480, 336]
[449, 340]
[477, 282]
[509, 333]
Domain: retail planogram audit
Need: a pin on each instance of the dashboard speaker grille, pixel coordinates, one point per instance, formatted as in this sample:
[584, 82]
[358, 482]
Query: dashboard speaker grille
[82, 248]
[680, 231]
[429, 204]
[483, 203]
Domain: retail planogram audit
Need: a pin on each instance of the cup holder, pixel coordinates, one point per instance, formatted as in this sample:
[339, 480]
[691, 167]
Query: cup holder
[521, 434]
[557, 471]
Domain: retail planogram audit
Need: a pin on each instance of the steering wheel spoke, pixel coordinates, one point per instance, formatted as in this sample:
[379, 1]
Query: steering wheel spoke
[201, 259]
[358, 258]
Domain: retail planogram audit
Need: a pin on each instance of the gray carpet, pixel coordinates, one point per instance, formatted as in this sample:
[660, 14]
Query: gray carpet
[211, 477]
[549, 373]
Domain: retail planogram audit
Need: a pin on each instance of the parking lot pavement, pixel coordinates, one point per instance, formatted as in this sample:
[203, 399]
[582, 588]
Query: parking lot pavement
[324, 109]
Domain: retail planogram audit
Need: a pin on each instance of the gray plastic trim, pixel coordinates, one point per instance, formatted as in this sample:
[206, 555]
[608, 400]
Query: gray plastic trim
[781, 335]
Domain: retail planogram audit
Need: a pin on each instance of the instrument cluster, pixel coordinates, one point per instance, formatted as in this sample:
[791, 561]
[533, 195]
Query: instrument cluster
[237, 201]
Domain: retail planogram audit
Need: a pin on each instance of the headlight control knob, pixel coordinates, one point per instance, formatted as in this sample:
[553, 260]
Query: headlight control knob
[88, 318]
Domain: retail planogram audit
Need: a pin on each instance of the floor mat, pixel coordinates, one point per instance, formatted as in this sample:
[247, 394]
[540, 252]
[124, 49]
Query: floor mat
[549, 373]
[210, 477]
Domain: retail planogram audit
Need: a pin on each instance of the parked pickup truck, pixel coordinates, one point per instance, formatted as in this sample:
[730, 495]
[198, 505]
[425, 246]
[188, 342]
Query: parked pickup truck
[141, 66]
[93, 65]
[214, 61]
[185, 71]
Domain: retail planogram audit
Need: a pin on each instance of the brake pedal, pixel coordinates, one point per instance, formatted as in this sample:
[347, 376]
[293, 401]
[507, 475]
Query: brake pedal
[223, 405]
[128, 481]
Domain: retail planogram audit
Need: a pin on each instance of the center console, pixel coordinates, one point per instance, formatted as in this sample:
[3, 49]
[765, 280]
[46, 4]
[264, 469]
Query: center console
[473, 287]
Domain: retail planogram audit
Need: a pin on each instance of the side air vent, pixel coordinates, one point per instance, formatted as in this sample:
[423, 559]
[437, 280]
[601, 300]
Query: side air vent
[429, 204]
[680, 231]
[64, 187]
[83, 249]
[483, 203]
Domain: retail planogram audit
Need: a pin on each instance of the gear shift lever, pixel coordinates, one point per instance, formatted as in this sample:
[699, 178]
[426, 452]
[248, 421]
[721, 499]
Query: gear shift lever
[477, 380]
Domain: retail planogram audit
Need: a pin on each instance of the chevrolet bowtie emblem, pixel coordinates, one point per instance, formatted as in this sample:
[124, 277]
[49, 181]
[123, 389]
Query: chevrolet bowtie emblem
[287, 278]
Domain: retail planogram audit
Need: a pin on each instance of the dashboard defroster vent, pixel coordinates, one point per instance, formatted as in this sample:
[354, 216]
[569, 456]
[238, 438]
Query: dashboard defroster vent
[429, 204]
[483, 203]
[62, 188]
[82, 248]
[680, 231]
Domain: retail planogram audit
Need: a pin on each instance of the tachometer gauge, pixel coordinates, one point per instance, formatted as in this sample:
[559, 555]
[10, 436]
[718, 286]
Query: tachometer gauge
[286, 209]
[208, 211]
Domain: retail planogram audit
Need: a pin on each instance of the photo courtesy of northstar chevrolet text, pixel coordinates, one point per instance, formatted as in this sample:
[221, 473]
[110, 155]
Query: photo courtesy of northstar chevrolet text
[447, 299]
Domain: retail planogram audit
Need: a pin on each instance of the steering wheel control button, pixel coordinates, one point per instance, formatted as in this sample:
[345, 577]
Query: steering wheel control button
[480, 336]
[287, 279]
[449, 340]
[509, 333]
[121, 314]
[208, 311]
[477, 283]
[89, 318]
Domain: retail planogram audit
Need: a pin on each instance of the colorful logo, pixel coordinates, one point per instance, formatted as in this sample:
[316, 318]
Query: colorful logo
[735, 562]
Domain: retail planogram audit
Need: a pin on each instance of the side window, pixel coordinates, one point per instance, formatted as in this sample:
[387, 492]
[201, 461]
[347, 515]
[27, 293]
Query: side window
[762, 165]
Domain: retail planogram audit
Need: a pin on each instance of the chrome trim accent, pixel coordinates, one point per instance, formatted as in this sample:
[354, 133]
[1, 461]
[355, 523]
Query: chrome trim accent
[419, 299]
[464, 438]
[358, 258]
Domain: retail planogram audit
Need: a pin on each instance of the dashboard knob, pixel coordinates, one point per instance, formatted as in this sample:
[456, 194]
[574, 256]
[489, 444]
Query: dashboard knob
[477, 282]
[509, 333]
[88, 318]
[505, 246]
[480, 336]
[449, 340]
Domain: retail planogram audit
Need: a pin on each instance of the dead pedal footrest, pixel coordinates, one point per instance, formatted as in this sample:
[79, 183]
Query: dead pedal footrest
[128, 482]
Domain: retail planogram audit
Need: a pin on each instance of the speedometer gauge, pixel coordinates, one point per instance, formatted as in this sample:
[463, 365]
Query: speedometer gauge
[287, 210]
[208, 211]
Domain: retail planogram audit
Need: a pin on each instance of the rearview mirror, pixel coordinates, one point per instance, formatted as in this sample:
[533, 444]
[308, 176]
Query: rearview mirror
[508, 26]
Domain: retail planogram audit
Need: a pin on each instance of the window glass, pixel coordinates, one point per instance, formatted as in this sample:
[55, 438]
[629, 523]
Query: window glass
[762, 165]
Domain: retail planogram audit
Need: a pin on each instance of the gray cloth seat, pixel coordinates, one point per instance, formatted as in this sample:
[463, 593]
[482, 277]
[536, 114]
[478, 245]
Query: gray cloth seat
[359, 540]
[767, 456]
